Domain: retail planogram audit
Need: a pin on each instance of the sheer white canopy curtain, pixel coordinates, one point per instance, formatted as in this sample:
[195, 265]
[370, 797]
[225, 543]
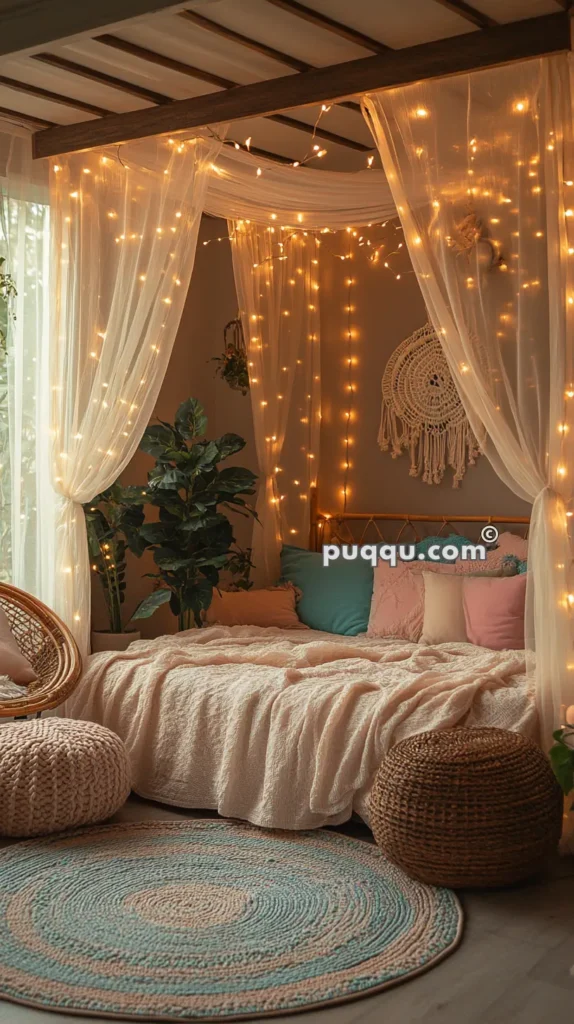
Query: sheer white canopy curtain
[493, 248]
[27, 499]
[124, 232]
[276, 275]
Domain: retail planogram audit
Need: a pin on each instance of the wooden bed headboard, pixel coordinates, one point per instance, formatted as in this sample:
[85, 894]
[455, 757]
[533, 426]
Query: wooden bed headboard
[369, 527]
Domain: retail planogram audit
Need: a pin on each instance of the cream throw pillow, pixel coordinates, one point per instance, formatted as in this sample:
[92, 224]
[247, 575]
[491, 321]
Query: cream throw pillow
[444, 620]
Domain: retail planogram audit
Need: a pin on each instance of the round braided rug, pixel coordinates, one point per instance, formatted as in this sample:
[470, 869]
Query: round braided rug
[209, 920]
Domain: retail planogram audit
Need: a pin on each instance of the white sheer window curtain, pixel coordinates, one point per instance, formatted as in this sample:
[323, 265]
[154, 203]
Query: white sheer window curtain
[124, 232]
[27, 499]
[482, 172]
[276, 275]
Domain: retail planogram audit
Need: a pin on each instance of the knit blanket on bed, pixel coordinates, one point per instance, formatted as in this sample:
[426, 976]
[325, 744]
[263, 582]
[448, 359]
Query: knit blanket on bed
[286, 728]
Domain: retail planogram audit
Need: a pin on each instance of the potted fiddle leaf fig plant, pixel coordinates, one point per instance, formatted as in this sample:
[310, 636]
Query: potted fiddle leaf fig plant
[192, 542]
[113, 521]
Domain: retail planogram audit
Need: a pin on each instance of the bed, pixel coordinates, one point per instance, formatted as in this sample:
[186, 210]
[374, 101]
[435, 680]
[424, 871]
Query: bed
[286, 728]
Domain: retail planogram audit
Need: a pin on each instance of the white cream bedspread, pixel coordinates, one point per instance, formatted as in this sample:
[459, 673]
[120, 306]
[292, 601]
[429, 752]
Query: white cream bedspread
[286, 728]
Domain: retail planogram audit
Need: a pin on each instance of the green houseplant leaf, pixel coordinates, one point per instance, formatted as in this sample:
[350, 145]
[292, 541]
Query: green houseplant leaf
[193, 541]
[562, 759]
[151, 603]
[113, 522]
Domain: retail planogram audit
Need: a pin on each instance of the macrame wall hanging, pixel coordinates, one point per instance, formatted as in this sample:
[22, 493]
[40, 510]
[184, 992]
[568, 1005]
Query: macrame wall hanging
[422, 411]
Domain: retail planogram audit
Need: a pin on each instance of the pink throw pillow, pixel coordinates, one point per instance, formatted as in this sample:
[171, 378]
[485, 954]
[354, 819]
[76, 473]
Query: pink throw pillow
[511, 544]
[397, 605]
[274, 606]
[12, 662]
[494, 611]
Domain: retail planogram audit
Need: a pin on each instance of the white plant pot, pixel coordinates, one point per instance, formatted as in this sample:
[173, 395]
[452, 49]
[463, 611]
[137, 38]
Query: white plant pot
[102, 641]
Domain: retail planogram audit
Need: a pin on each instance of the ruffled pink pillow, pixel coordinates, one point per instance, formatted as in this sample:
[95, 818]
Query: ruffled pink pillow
[397, 605]
[274, 606]
[494, 611]
[511, 544]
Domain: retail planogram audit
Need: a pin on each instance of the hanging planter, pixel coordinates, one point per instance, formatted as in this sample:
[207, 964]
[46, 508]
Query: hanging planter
[232, 365]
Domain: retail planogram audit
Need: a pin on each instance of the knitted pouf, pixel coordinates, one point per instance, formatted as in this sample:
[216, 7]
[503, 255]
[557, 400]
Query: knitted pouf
[467, 807]
[58, 773]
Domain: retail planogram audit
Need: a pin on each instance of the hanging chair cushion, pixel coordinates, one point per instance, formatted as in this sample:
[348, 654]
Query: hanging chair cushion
[12, 662]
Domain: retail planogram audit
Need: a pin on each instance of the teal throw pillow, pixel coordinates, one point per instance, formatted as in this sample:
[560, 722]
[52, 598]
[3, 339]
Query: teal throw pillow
[335, 598]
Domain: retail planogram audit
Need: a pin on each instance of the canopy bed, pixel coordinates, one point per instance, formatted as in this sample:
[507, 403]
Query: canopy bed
[478, 169]
[286, 727]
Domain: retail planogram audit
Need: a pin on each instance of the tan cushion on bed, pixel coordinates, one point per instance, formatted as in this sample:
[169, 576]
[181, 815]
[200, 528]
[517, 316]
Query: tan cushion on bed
[273, 606]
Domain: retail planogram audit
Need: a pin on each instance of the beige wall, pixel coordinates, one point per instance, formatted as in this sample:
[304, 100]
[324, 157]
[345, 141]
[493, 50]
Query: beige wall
[386, 312]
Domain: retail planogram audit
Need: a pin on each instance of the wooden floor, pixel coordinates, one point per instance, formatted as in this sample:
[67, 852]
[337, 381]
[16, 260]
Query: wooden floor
[513, 966]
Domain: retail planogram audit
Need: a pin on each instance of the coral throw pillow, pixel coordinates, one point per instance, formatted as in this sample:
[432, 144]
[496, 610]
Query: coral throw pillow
[274, 606]
[12, 662]
[494, 611]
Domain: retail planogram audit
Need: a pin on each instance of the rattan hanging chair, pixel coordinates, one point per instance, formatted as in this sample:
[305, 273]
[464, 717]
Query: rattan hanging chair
[49, 646]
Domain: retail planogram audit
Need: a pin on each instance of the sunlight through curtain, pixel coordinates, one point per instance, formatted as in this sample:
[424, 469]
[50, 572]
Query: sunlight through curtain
[27, 498]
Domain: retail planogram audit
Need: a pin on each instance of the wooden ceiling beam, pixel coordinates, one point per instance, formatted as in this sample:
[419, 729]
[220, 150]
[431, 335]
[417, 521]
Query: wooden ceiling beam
[152, 57]
[37, 23]
[503, 44]
[468, 13]
[320, 133]
[54, 97]
[31, 119]
[343, 31]
[225, 83]
[267, 51]
[101, 78]
[235, 37]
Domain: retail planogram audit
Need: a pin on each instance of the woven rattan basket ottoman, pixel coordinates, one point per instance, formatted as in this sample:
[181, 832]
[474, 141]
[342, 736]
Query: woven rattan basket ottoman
[467, 807]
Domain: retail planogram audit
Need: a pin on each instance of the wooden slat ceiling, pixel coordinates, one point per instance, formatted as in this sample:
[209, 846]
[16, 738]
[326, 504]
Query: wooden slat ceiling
[208, 45]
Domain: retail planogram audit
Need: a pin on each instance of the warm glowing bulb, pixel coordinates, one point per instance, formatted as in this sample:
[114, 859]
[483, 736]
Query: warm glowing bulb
[421, 112]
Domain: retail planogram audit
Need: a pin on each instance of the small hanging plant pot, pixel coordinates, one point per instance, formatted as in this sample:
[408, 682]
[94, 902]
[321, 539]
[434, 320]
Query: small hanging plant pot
[232, 364]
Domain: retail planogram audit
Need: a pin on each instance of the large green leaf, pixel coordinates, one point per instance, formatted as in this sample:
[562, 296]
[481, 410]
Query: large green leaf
[197, 596]
[155, 533]
[235, 480]
[562, 760]
[151, 603]
[172, 479]
[229, 444]
[134, 495]
[156, 439]
[190, 419]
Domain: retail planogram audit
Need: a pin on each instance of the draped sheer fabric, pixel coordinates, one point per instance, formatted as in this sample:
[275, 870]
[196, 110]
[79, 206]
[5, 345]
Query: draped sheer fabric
[295, 195]
[276, 275]
[492, 248]
[124, 232]
[27, 499]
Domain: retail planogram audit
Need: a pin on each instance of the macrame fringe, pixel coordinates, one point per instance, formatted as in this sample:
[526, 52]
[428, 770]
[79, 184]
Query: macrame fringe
[432, 446]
